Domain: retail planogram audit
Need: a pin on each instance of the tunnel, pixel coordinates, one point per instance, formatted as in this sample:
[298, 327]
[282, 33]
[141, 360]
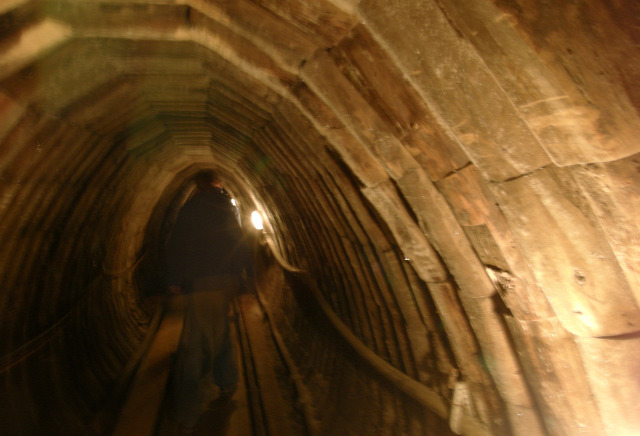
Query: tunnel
[450, 193]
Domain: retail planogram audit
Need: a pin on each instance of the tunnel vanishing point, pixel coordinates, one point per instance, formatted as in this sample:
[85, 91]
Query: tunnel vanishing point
[459, 180]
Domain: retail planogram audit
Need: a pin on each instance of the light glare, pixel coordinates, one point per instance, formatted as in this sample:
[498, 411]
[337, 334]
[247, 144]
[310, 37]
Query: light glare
[256, 219]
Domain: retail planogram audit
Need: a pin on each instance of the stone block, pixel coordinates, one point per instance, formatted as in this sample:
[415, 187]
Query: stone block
[570, 254]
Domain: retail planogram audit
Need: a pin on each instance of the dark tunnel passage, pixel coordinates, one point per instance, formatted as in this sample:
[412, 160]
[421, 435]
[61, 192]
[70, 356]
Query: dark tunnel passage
[313, 344]
[450, 193]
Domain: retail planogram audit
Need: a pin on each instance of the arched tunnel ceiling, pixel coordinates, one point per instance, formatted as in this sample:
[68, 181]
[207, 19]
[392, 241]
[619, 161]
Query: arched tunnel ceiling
[492, 144]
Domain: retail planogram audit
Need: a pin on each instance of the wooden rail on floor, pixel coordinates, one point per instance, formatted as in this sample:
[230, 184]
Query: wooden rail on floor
[139, 414]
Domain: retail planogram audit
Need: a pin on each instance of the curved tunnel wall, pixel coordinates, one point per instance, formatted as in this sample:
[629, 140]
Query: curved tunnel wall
[460, 180]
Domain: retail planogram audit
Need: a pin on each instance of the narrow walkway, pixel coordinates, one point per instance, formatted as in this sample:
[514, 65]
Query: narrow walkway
[139, 414]
[263, 405]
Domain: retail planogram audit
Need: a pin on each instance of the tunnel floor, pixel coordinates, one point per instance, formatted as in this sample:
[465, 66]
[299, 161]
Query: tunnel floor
[264, 404]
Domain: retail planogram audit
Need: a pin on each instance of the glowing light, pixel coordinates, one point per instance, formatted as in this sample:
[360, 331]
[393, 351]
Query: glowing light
[233, 201]
[256, 219]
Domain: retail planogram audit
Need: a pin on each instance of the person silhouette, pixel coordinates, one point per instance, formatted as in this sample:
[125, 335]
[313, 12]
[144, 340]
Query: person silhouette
[206, 255]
